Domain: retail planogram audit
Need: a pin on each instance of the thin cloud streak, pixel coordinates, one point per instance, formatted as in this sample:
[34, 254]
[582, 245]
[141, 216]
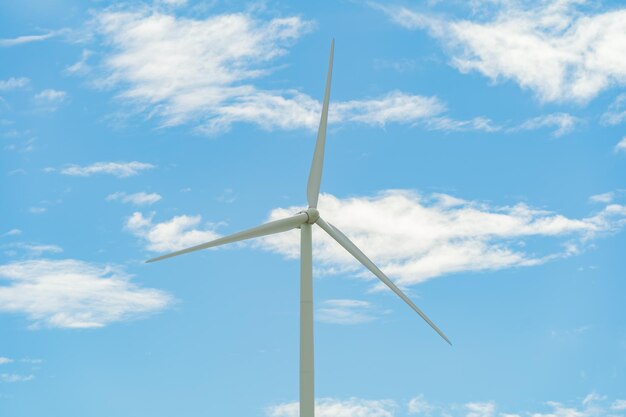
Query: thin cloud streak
[118, 169]
[20, 40]
[346, 312]
[11, 378]
[138, 199]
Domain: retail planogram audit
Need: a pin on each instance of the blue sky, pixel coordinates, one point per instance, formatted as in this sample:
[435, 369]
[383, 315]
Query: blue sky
[476, 152]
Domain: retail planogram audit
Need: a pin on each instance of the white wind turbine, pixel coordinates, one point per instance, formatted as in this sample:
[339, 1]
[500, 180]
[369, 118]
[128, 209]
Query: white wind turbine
[304, 220]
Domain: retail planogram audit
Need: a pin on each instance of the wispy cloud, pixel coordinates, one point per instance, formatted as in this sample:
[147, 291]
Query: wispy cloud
[602, 198]
[621, 146]
[416, 237]
[4, 360]
[32, 361]
[418, 405]
[14, 83]
[35, 249]
[448, 124]
[137, 199]
[174, 234]
[563, 122]
[555, 48]
[593, 405]
[618, 405]
[50, 99]
[118, 169]
[616, 113]
[174, 71]
[74, 294]
[184, 67]
[480, 409]
[331, 407]
[346, 312]
[175, 3]
[12, 232]
[81, 66]
[393, 107]
[16, 378]
[20, 40]
[455, 236]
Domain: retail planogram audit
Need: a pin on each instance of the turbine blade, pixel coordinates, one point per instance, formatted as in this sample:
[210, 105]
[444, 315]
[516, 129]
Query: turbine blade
[360, 256]
[270, 228]
[315, 175]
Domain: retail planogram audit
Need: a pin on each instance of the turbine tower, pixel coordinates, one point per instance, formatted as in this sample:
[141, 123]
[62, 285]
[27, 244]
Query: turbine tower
[304, 220]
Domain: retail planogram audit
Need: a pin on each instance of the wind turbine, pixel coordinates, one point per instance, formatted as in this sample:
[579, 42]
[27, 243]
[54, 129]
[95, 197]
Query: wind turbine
[304, 220]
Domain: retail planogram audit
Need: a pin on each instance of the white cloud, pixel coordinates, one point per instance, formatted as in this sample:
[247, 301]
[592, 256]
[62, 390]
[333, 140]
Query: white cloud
[171, 66]
[618, 405]
[36, 249]
[138, 199]
[593, 397]
[451, 125]
[330, 407]
[12, 232]
[173, 2]
[621, 146]
[118, 169]
[616, 112]
[177, 233]
[602, 198]
[32, 361]
[553, 48]
[74, 294]
[15, 378]
[27, 39]
[478, 409]
[183, 66]
[81, 66]
[37, 210]
[401, 65]
[345, 312]
[414, 238]
[395, 106]
[293, 110]
[593, 405]
[418, 405]
[563, 122]
[4, 360]
[13, 83]
[50, 99]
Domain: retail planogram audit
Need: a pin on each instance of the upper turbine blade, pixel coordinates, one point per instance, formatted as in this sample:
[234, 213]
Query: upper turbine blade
[315, 175]
[276, 226]
[360, 256]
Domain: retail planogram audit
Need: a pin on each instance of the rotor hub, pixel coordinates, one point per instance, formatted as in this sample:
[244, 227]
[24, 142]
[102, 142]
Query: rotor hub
[313, 215]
